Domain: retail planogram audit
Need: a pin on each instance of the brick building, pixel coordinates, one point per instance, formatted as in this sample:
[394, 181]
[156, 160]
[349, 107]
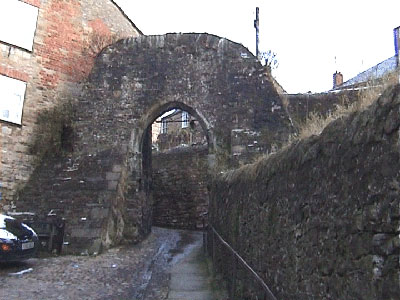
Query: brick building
[43, 63]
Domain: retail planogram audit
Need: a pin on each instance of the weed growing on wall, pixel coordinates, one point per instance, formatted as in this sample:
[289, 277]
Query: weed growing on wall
[367, 94]
[54, 131]
[316, 122]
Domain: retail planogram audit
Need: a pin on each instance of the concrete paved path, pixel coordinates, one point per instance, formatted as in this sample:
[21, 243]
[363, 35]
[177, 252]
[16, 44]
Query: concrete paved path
[190, 277]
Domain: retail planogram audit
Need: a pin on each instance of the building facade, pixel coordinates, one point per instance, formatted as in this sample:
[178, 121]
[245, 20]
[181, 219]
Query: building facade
[43, 64]
[175, 129]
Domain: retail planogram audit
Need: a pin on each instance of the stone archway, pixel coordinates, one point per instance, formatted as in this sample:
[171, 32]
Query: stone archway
[177, 180]
[131, 83]
[148, 118]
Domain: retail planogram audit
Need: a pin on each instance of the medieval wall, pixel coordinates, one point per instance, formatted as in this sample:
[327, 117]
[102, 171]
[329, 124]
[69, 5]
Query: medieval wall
[320, 218]
[134, 81]
[180, 194]
[68, 36]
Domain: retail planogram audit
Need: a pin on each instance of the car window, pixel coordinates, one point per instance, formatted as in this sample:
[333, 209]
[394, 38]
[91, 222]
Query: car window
[2, 221]
[15, 227]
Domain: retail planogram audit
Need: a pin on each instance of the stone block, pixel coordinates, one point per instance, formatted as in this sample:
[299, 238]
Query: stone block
[113, 175]
[112, 185]
[88, 233]
[117, 168]
[6, 130]
[99, 213]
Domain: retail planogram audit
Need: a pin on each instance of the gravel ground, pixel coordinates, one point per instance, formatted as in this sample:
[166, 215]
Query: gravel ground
[126, 272]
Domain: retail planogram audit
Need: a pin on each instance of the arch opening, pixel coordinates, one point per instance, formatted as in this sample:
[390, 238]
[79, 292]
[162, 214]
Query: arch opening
[198, 118]
[175, 165]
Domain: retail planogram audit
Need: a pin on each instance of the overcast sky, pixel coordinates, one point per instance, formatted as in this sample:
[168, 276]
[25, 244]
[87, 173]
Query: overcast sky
[307, 35]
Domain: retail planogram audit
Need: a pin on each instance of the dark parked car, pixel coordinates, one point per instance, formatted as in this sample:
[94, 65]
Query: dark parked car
[17, 240]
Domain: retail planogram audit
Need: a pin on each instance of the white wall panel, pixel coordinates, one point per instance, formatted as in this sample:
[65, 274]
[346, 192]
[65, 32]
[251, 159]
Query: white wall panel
[12, 94]
[18, 23]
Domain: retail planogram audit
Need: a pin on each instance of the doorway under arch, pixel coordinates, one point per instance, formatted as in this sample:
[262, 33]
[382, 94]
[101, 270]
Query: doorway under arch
[176, 179]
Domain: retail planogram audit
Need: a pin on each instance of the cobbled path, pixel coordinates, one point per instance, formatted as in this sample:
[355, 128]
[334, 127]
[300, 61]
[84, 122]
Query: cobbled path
[129, 272]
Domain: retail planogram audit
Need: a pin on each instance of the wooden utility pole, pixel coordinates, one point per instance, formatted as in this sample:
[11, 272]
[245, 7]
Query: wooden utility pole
[257, 26]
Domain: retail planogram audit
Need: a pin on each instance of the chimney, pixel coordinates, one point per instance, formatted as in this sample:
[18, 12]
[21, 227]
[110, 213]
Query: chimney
[396, 33]
[337, 79]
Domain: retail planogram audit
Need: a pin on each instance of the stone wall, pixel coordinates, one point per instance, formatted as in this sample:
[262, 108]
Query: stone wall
[69, 34]
[320, 218]
[184, 137]
[302, 106]
[135, 80]
[180, 194]
[67, 187]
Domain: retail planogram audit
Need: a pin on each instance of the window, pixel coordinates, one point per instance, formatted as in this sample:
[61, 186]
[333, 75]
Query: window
[22, 18]
[12, 94]
[185, 119]
[164, 126]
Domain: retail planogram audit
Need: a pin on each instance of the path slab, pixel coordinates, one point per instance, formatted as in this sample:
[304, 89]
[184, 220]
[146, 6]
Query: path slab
[190, 279]
[192, 295]
[191, 283]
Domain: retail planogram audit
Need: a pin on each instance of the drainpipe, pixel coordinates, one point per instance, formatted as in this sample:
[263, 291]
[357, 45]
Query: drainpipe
[396, 33]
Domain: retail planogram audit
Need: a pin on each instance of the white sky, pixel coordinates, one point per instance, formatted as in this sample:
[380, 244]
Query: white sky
[306, 34]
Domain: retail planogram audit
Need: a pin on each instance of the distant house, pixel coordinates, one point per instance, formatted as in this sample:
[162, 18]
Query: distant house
[177, 128]
[376, 72]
